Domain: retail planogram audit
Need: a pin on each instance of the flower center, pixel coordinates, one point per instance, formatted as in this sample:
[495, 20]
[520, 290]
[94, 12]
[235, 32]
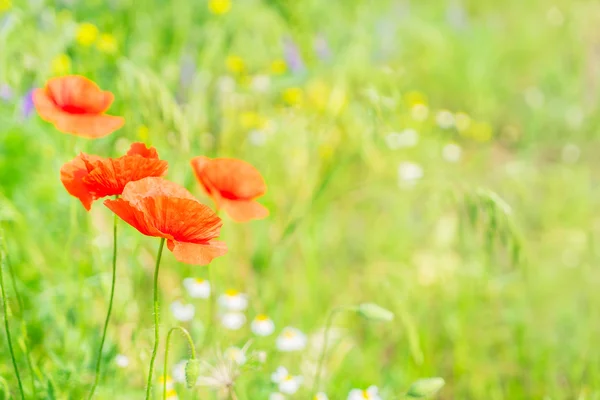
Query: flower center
[231, 292]
[262, 317]
[199, 280]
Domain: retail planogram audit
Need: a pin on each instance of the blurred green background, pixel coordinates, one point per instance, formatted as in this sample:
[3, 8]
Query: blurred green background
[434, 157]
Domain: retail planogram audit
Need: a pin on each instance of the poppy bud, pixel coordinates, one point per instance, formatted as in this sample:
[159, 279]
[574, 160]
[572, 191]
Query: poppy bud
[374, 312]
[425, 388]
[192, 372]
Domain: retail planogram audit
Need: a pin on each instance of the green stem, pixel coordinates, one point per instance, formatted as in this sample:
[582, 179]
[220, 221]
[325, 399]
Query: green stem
[25, 340]
[187, 335]
[6, 326]
[110, 306]
[156, 320]
[328, 324]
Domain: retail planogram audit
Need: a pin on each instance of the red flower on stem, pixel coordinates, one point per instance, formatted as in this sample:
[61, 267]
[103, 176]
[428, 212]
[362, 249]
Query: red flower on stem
[76, 105]
[234, 185]
[160, 208]
[90, 177]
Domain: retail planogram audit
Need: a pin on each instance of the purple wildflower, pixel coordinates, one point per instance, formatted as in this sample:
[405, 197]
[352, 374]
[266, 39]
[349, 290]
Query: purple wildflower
[292, 56]
[27, 106]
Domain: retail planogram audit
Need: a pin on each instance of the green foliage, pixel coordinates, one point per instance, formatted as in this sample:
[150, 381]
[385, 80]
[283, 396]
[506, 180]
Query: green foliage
[486, 256]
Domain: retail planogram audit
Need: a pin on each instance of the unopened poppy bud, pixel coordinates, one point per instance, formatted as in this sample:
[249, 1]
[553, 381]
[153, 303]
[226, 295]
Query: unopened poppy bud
[192, 372]
[374, 312]
[425, 388]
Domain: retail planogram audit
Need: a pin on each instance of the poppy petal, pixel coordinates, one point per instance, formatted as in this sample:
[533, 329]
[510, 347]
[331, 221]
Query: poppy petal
[133, 216]
[91, 126]
[197, 254]
[79, 95]
[154, 186]
[234, 179]
[110, 176]
[245, 210]
[184, 219]
[140, 149]
[198, 165]
[71, 176]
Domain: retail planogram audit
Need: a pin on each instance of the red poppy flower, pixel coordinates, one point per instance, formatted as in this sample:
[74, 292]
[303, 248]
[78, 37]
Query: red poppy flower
[160, 208]
[76, 105]
[90, 177]
[233, 184]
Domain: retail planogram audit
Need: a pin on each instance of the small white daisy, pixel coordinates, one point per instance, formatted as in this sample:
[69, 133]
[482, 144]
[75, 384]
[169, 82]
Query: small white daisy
[372, 393]
[276, 396]
[197, 288]
[226, 84]
[232, 300]
[182, 312]
[419, 112]
[279, 374]
[409, 173]
[320, 396]
[288, 384]
[452, 152]
[399, 140]
[261, 356]
[122, 361]
[179, 371]
[444, 119]
[261, 83]
[233, 320]
[291, 339]
[262, 325]
[236, 354]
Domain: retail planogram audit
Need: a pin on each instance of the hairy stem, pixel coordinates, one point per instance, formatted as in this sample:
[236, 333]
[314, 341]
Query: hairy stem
[110, 306]
[7, 327]
[188, 337]
[156, 320]
[25, 339]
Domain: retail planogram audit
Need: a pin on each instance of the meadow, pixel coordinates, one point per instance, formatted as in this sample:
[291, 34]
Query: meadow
[432, 158]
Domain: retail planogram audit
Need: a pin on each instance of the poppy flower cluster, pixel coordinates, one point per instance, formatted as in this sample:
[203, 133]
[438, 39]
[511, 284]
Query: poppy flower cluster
[142, 197]
[148, 202]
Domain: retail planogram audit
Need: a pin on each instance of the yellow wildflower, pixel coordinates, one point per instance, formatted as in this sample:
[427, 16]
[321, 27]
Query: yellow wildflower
[5, 5]
[250, 120]
[481, 131]
[414, 98]
[61, 64]
[293, 96]
[87, 34]
[143, 132]
[278, 67]
[107, 43]
[318, 93]
[219, 7]
[235, 64]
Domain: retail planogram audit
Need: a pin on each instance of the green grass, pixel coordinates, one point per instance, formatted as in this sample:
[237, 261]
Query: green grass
[342, 231]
